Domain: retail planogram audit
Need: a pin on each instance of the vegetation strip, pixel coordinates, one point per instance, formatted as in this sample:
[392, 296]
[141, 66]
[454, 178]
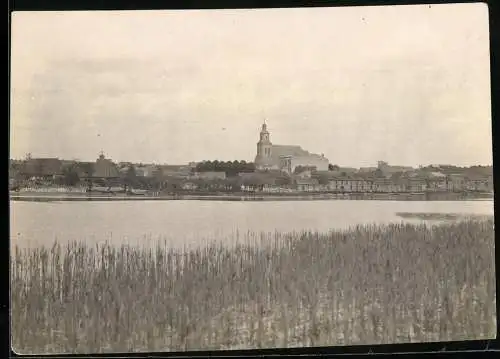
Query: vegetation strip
[367, 285]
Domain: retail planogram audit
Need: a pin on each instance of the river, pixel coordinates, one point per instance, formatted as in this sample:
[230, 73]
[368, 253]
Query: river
[191, 223]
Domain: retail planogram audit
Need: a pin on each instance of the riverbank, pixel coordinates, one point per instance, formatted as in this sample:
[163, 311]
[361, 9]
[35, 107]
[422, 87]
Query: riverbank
[423, 216]
[241, 196]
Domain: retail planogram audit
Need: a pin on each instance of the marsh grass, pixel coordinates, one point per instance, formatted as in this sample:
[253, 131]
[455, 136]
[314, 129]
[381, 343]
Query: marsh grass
[368, 285]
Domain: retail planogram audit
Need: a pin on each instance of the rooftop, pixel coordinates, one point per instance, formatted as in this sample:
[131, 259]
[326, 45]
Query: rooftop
[42, 166]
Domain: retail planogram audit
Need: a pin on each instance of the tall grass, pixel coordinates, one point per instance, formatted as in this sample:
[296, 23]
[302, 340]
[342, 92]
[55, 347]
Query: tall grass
[367, 285]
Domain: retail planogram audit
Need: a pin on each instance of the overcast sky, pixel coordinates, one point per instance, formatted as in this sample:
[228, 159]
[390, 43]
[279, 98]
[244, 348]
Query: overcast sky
[406, 84]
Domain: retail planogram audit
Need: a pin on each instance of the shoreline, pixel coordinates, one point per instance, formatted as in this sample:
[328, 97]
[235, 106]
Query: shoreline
[68, 196]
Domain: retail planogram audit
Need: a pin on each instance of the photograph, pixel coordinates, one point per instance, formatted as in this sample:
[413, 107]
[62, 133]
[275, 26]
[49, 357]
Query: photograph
[248, 179]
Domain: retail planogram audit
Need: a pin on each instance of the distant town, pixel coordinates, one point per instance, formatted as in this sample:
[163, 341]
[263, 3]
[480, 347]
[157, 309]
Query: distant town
[278, 169]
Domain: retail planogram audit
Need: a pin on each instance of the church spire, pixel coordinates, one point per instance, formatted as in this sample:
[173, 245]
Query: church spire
[264, 133]
[264, 126]
[264, 146]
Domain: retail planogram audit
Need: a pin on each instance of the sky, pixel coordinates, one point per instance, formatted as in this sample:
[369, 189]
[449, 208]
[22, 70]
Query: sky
[406, 84]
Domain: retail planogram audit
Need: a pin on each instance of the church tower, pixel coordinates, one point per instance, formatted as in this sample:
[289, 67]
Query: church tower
[264, 147]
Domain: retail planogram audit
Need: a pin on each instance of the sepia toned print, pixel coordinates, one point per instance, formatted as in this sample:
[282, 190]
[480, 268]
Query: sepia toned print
[245, 179]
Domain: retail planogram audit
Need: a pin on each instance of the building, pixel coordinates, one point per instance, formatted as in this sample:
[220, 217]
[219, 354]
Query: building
[417, 185]
[179, 171]
[490, 183]
[105, 168]
[189, 186]
[340, 184]
[212, 175]
[437, 184]
[382, 185]
[478, 183]
[84, 169]
[257, 180]
[46, 168]
[307, 184]
[145, 170]
[456, 183]
[348, 170]
[367, 169]
[284, 157]
[303, 174]
[389, 169]
[103, 173]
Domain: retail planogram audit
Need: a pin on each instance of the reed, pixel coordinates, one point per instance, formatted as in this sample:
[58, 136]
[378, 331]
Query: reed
[367, 285]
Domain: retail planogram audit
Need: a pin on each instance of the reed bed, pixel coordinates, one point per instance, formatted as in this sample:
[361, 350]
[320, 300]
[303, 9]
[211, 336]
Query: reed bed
[367, 285]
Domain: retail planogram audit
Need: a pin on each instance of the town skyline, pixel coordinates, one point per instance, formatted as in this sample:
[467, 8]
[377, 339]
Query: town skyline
[370, 94]
[147, 163]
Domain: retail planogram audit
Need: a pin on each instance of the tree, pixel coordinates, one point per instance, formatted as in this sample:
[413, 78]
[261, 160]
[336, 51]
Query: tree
[131, 172]
[87, 169]
[70, 176]
[323, 179]
[130, 177]
[231, 168]
[333, 167]
[283, 180]
[233, 183]
[378, 173]
[249, 167]
[235, 167]
[158, 181]
[300, 169]
[39, 168]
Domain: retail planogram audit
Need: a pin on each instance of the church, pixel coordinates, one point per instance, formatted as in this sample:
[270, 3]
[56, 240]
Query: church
[285, 158]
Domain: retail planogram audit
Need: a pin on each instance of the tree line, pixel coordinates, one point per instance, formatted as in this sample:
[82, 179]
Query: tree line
[231, 168]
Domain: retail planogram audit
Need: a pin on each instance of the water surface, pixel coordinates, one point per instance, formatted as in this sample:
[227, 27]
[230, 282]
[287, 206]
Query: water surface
[191, 223]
